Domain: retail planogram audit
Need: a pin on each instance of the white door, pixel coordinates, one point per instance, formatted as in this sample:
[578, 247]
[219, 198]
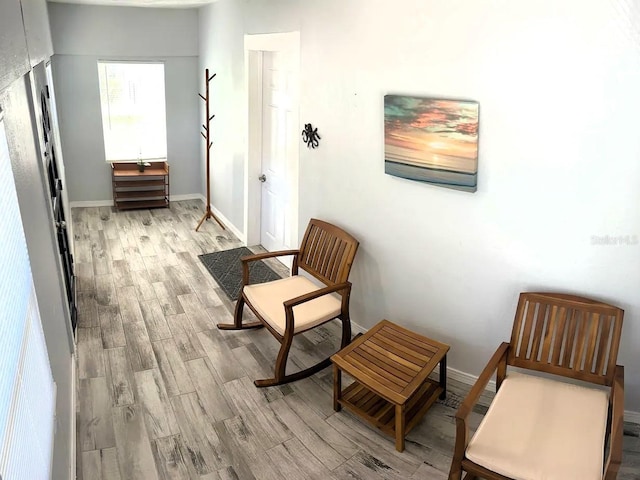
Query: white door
[279, 151]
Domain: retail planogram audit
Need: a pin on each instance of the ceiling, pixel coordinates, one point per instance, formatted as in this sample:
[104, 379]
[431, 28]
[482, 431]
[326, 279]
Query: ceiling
[142, 3]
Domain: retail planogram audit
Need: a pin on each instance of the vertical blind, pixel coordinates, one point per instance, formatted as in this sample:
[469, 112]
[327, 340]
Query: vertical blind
[132, 99]
[27, 391]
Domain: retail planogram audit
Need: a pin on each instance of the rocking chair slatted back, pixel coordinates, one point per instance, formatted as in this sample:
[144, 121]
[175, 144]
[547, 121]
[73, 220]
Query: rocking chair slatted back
[566, 335]
[327, 252]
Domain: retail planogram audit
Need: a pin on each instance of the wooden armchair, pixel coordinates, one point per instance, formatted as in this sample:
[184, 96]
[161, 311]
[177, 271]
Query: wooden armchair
[539, 428]
[295, 304]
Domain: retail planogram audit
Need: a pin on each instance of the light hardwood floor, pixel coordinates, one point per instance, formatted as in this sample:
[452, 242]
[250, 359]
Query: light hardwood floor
[163, 394]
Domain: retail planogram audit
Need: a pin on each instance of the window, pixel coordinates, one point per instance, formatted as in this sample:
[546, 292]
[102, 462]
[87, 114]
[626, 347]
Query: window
[133, 111]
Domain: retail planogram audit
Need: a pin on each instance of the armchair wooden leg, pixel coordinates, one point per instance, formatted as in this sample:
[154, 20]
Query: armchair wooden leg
[455, 473]
[346, 331]
[237, 319]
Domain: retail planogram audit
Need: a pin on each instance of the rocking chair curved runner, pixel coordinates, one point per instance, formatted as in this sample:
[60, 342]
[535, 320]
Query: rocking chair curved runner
[295, 304]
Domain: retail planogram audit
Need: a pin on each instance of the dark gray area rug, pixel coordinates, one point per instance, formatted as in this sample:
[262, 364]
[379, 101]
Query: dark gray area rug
[226, 268]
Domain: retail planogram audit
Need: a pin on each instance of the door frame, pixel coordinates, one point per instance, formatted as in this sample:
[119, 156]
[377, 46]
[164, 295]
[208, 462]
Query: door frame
[254, 46]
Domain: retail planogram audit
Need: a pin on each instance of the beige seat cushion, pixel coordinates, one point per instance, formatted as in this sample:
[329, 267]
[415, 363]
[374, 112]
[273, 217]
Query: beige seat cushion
[541, 429]
[268, 298]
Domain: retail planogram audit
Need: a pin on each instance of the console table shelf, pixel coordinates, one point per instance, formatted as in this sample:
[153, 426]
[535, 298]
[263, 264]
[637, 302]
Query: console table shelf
[135, 189]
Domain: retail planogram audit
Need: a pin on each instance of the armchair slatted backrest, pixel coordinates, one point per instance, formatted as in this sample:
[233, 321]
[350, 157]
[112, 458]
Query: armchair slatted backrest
[566, 335]
[326, 252]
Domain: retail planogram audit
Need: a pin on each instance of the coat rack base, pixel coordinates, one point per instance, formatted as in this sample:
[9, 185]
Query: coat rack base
[207, 215]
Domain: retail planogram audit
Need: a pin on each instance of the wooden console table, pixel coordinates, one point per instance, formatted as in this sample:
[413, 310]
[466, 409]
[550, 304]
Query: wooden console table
[135, 189]
[390, 365]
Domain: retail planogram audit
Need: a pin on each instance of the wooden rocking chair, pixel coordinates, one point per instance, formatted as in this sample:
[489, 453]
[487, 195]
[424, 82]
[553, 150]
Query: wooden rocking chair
[540, 428]
[295, 304]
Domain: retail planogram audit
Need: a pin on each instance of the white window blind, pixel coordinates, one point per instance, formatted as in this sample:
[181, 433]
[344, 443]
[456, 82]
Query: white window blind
[27, 391]
[133, 111]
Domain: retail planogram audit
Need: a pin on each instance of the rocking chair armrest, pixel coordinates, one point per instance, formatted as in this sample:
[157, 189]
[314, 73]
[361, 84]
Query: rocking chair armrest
[261, 256]
[289, 304]
[473, 396]
[614, 458]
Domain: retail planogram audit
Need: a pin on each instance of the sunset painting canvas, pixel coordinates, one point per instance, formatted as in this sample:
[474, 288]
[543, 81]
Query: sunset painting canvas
[432, 140]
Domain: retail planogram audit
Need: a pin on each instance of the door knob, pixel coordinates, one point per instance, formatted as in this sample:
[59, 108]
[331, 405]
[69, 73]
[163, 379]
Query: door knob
[262, 178]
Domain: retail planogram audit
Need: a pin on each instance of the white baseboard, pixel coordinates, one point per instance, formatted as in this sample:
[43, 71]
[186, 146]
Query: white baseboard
[74, 387]
[109, 203]
[632, 417]
[468, 379]
[186, 196]
[356, 328]
[91, 203]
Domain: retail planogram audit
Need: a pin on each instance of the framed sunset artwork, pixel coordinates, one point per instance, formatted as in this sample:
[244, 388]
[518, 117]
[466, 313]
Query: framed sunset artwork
[432, 140]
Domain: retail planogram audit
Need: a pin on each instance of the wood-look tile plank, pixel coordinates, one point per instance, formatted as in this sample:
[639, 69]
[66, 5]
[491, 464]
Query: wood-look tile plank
[99, 253]
[152, 395]
[186, 339]
[145, 246]
[89, 353]
[133, 258]
[202, 445]
[95, 425]
[144, 288]
[105, 290]
[203, 378]
[100, 464]
[344, 447]
[119, 377]
[87, 310]
[176, 279]
[111, 326]
[155, 271]
[154, 320]
[322, 448]
[167, 298]
[241, 438]
[82, 251]
[376, 445]
[121, 275]
[242, 396]
[170, 462]
[196, 312]
[85, 277]
[174, 372]
[132, 441]
[139, 347]
[288, 459]
[115, 249]
[222, 359]
[129, 305]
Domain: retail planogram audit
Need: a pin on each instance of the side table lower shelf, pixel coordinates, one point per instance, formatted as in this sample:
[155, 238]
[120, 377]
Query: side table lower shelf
[381, 413]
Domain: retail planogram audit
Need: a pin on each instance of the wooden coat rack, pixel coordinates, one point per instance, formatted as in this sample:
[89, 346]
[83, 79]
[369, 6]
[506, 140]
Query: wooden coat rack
[208, 213]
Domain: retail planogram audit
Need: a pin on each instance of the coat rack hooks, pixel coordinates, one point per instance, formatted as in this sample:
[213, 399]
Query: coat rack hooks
[208, 213]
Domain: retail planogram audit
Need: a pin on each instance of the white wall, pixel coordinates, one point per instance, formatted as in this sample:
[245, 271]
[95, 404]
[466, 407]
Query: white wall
[82, 35]
[557, 84]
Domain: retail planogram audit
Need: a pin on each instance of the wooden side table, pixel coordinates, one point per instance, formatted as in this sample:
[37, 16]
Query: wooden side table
[390, 366]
